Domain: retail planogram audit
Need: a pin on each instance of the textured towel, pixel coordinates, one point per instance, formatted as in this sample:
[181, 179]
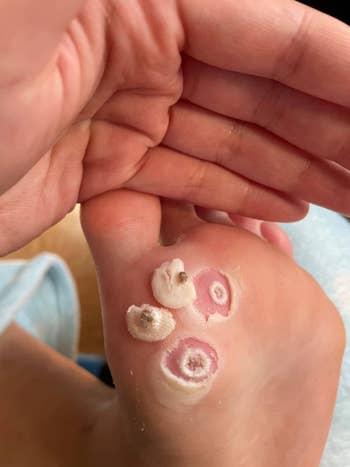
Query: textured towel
[322, 246]
[40, 296]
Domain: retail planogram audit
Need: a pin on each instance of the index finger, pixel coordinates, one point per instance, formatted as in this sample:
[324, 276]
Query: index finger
[281, 40]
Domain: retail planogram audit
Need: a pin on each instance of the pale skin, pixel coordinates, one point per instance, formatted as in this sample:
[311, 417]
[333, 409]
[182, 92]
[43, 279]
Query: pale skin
[219, 103]
[269, 405]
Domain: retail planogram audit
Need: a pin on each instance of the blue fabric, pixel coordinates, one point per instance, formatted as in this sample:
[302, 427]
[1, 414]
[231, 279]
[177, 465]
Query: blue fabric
[322, 246]
[92, 363]
[40, 295]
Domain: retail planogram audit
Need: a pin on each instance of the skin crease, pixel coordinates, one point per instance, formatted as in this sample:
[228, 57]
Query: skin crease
[102, 94]
[279, 355]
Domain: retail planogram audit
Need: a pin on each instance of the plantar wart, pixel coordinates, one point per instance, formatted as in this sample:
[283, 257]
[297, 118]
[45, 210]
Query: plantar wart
[182, 277]
[190, 365]
[195, 362]
[172, 287]
[149, 323]
[146, 318]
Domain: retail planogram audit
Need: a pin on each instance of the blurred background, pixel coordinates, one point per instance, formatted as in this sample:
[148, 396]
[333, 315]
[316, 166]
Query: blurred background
[66, 239]
[337, 8]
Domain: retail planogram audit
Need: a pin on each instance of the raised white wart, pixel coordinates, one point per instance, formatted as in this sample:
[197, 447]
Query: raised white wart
[149, 323]
[172, 286]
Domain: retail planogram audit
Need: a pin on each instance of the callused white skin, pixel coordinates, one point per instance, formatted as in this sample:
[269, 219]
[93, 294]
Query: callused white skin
[171, 285]
[191, 364]
[149, 323]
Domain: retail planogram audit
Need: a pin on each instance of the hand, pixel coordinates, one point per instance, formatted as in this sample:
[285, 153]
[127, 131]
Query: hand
[222, 104]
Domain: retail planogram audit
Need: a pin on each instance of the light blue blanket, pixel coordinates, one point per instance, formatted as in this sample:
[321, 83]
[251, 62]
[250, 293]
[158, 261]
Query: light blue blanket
[40, 296]
[322, 247]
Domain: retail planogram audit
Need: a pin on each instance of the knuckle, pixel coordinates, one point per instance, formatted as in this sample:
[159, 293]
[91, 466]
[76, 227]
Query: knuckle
[197, 182]
[270, 110]
[232, 144]
[244, 201]
[191, 80]
[341, 150]
[296, 179]
[291, 59]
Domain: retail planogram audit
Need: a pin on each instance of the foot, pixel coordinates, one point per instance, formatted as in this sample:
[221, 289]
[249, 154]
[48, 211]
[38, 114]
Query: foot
[230, 356]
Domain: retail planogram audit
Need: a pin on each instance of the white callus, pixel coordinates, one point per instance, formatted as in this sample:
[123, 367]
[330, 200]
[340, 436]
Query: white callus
[149, 323]
[171, 285]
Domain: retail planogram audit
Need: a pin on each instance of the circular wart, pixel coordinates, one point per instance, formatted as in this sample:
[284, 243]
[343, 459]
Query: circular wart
[190, 364]
[195, 364]
[214, 294]
[149, 323]
[171, 285]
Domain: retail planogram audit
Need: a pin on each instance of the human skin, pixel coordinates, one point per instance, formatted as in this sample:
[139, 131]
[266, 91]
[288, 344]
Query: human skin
[165, 97]
[270, 403]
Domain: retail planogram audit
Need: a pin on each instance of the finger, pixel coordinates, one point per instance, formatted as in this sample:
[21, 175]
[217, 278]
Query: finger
[121, 226]
[29, 33]
[175, 175]
[177, 218]
[213, 216]
[273, 106]
[114, 151]
[259, 156]
[285, 41]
